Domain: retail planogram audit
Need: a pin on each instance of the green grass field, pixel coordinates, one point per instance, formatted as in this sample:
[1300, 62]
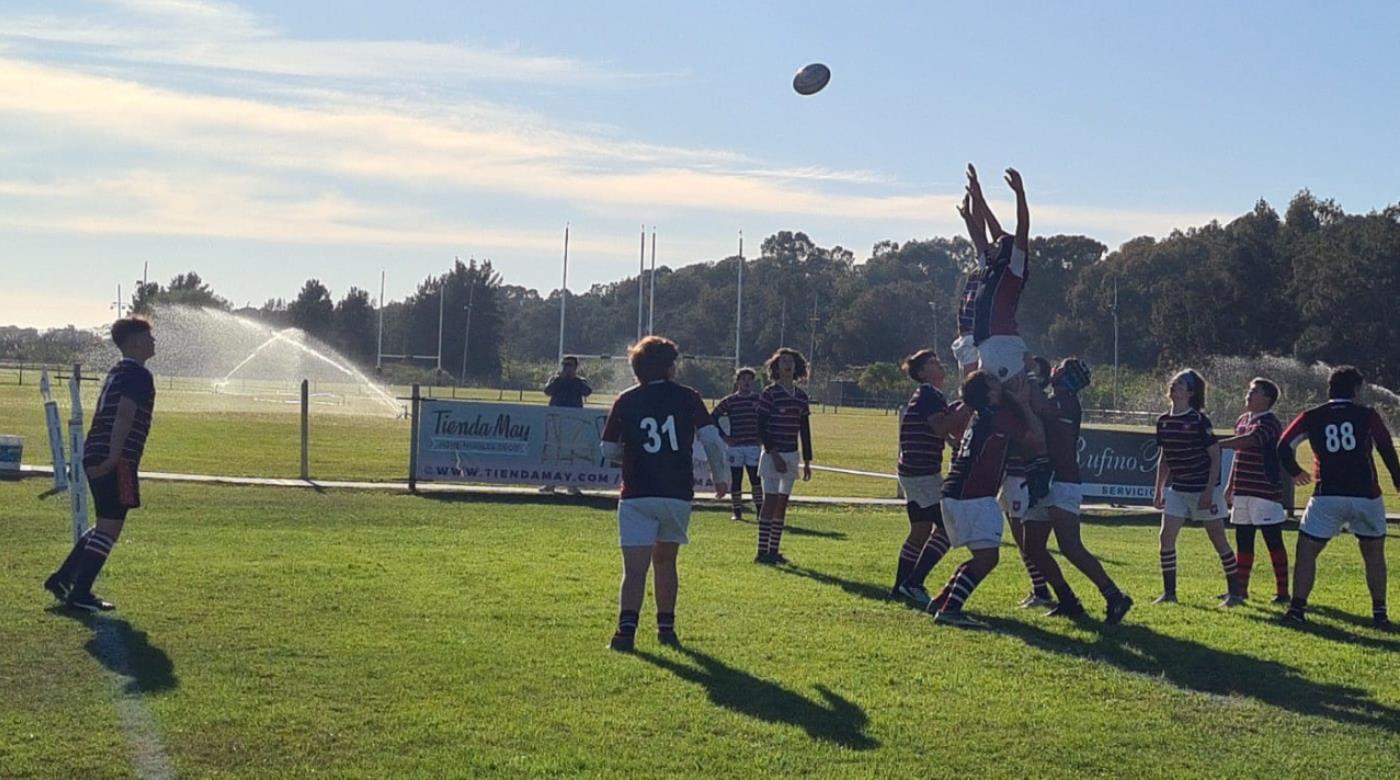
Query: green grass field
[279, 632]
[258, 435]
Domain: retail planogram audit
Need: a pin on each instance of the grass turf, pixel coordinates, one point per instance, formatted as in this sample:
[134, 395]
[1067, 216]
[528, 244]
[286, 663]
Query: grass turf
[278, 632]
[254, 435]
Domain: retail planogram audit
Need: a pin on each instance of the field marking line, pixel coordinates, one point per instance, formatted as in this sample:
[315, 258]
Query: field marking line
[139, 729]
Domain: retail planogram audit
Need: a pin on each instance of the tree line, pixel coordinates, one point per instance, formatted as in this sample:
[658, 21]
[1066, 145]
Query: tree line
[1316, 283]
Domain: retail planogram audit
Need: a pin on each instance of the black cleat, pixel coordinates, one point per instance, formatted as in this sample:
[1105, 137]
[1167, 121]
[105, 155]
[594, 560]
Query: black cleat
[668, 639]
[1382, 623]
[1071, 609]
[777, 559]
[765, 559]
[1118, 606]
[1294, 617]
[57, 587]
[88, 603]
[1282, 598]
[1165, 598]
[737, 516]
[622, 643]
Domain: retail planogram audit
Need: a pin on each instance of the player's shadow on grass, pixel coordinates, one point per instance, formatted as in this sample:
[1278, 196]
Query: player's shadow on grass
[835, 719]
[796, 530]
[127, 651]
[1205, 669]
[865, 590]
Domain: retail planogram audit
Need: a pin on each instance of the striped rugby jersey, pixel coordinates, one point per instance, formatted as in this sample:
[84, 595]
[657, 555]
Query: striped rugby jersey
[1256, 470]
[979, 464]
[127, 379]
[967, 307]
[999, 295]
[1185, 441]
[742, 411]
[920, 450]
[780, 415]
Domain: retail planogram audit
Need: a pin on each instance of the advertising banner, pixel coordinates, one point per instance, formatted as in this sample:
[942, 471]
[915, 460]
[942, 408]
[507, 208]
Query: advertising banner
[520, 444]
[1120, 467]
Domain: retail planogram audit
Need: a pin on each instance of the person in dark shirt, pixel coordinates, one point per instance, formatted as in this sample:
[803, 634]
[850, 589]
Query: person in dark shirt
[566, 388]
[737, 417]
[1000, 348]
[1188, 483]
[964, 346]
[1063, 416]
[923, 427]
[784, 421]
[111, 457]
[1255, 490]
[1014, 497]
[651, 430]
[1343, 434]
[971, 517]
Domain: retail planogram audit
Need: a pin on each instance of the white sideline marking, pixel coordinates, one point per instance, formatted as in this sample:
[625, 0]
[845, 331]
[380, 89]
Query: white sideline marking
[139, 729]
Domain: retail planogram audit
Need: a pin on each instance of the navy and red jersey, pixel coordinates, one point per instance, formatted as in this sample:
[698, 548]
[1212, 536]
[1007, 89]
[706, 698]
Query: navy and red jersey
[967, 304]
[1256, 471]
[1342, 434]
[782, 416]
[999, 294]
[1185, 440]
[742, 411]
[1062, 437]
[127, 379]
[979, 465]
[656, 424]
[920, 450]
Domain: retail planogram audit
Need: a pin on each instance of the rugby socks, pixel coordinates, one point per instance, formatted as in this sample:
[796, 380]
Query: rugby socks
[736, 489]
[755, 488]
[1278, 555]
[934, 549]
[908, 557]
[1245, 561]
[94, 555]
[1230, 564]
[1168, 558]
[70, 564]
[627, 622]
[1038, 585]
[958, 589]
[665, 623]
[764, 535]
[775, 534]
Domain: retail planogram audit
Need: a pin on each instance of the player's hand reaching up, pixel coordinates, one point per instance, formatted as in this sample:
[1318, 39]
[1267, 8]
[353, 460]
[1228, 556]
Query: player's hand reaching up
[721, 489]
[1013, 180]
[974, 187]
[965, 208]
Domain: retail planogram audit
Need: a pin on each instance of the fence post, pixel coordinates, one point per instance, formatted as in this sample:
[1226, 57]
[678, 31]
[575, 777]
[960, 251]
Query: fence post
[899, 486]
[413, 443]
[305, 431]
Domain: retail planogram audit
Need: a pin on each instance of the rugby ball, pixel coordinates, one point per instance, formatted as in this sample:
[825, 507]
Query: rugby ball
[811, 79]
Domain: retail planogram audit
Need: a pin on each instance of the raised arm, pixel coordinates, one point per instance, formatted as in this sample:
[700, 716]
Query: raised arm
[975, 230]
[1023, 211]
[980, 211]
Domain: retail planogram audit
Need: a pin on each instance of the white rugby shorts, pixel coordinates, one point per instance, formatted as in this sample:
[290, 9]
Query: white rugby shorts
[775, 483]
[1014, 497]
[973, 523]
[742, 455]
[964, 350]
[1064, 496]
[642, 522]
[1004, 357]
[925, 491]
[1253, 510]
[1187, 505]
[1328, 516]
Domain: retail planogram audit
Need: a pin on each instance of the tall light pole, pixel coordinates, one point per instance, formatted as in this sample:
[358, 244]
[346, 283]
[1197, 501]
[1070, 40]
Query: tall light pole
[812, 353]
[641, 281]
[379, 349]
[563, 292]
[1115, 341]
[739, 307]
[467, 335]
[651, 283]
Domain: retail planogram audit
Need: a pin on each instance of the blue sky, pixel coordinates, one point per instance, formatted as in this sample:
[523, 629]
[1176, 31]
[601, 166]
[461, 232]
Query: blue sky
[263, 143]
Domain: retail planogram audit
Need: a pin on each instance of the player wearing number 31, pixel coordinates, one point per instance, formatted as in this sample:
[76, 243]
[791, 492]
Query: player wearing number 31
[1342, 433]
[650, 431]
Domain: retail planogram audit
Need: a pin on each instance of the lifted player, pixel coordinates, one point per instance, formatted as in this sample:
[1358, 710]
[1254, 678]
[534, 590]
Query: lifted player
[1000, 349]
[964, 346]
[1342, 433]
[1255, 491]
[923, 426]
[111, 457]
[737, 417]
[651, 430]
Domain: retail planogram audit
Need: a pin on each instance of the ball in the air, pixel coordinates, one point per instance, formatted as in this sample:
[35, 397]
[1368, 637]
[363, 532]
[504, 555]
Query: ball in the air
[811, 79]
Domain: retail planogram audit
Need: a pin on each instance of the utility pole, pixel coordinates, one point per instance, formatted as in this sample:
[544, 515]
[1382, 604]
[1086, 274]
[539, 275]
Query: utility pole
[739, 307]
[467, 336]
[812, 352]
[1115, 341]
[563, 292]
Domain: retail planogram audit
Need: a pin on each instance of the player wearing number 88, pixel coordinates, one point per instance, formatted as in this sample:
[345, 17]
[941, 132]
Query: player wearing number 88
[650, 430]
[1343, 434]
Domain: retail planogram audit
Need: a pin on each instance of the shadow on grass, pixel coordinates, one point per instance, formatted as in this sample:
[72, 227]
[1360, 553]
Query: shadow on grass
[543, 500]
[864, 590]
[1360, 621]
[1334, 634]
[835, 719]
[797, 530]
[1205, 669]
[126, 651]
